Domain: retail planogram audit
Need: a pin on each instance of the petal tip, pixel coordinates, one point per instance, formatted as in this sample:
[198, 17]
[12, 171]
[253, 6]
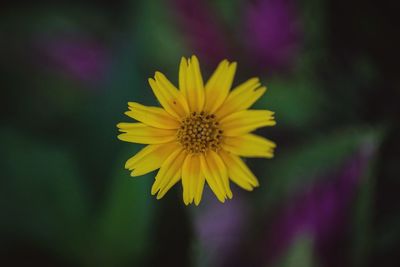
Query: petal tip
[154, 190]
[135, 173]
[151, 81]
[121, 137]
[194, 58]
[183, 61]
[158, 75]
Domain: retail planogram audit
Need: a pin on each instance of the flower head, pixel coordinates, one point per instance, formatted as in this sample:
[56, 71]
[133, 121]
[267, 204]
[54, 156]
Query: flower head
[200, 132]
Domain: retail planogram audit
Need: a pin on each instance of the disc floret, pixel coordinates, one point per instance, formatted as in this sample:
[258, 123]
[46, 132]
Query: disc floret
[200, 132]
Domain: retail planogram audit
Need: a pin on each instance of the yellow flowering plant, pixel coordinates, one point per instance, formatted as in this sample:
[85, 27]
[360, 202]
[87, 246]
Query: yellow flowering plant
[199, 133]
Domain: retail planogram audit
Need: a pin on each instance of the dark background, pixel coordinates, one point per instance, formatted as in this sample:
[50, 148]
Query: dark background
[328, 198]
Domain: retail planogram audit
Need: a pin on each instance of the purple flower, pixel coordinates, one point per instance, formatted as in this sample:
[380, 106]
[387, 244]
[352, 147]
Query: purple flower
[79, 57]
[321, 212]
[267, 33]
[272, 33]
[219, 227]
[202, 28]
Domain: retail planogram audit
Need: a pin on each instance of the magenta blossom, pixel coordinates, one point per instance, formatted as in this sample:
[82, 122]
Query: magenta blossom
[321, 212]
[266, 34]
[272, 33]
[219, 227]
[202, 28]
[78, 57]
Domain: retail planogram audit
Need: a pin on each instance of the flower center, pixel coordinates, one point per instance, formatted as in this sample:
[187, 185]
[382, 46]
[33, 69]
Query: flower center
[200, 132]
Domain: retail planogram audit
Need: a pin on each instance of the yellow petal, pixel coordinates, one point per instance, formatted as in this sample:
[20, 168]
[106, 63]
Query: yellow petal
[192, 180]
[249, 145]
[238, 172]
[218, 86]
[152, 116]
[143, 134]
[191, 83]
[169, 97]
[150, 158]
[186, 168]
[199, 186]
[216, 175]
[183, 66]
[241, 98]
[169, 173]
[218, 166]
[211, 179]
[245, 121]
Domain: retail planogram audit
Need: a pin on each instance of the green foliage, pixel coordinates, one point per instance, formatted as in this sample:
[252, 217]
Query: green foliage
[361, 226]
[44, 199]
[41, 193]
[297, 103]
[157, 36]
[228, 10]
[123, 228]
[313, 22]
[300, 254]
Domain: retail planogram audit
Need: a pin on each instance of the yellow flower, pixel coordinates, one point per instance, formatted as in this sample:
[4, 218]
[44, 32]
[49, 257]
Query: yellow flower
[200, 132]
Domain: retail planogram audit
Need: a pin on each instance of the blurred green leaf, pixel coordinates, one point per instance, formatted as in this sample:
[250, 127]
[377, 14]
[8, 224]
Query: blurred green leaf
[121, 229]
[157, 36]
[124, 225]
[313, 22]
[299, 167]
[361, 231]
[229, 11]
[41, 194]
[55, 18]
[297, 103]
[300, 254]
[106, 108]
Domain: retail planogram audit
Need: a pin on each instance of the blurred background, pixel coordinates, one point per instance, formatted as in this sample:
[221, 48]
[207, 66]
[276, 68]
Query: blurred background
[328, 198]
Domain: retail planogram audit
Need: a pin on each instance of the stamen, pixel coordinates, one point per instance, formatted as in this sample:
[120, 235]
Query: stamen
[200, 132]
